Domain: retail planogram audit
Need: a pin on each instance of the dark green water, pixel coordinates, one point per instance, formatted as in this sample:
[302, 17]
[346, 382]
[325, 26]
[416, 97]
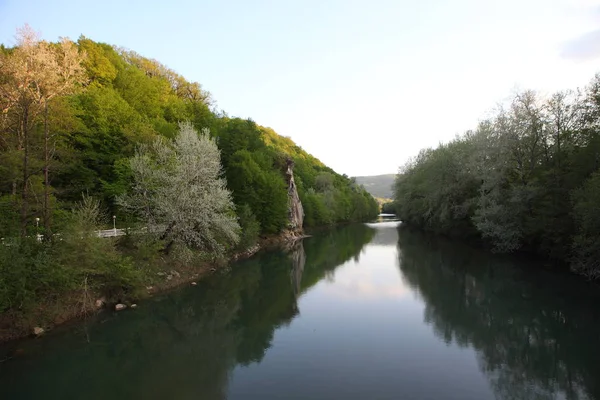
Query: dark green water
[360, 312]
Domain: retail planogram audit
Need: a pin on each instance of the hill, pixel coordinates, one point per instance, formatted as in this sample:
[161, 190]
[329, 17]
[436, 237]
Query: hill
[94, 136]
[378, 185]
[119, 100]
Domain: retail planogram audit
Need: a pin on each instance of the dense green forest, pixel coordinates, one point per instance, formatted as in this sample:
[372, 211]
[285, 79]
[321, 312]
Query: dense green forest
[526, 179]
[94, 135]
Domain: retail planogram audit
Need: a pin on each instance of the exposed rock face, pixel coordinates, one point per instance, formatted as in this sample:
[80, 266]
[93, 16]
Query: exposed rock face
[295, 210]
[37, 331]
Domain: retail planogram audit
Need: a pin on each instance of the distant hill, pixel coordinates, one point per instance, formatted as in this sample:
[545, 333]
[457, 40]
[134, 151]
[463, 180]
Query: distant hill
[378, 185]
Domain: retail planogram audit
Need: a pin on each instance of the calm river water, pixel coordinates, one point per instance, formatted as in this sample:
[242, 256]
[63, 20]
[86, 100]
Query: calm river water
[370, 311]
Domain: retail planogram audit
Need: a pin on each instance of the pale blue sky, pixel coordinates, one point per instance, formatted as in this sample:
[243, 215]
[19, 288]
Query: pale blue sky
[363, 85]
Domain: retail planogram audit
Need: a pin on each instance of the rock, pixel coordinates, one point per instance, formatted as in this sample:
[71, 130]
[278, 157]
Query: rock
[295, 209]
[99, 303]
[169, 277]
[194, 283]
[120, 307]
[149, 287]
[38, 331]
[160, 273]
[213, 269]
[173, 272]
[133, 305]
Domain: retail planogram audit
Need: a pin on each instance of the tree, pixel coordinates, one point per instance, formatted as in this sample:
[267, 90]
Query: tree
[178, 191]
[524, 180]
[33, 74]
[586, 257]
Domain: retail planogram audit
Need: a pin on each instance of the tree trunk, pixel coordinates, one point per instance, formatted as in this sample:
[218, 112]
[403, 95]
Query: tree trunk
[24, 200]
[47, 211]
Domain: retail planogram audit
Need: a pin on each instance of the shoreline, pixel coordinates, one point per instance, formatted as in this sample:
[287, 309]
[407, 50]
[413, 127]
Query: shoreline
[70, 308]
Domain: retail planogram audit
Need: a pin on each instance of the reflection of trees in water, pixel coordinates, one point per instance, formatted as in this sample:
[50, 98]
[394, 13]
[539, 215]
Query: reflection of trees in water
[386, 234]
[330, 249]
[537, 334]
[182, 345]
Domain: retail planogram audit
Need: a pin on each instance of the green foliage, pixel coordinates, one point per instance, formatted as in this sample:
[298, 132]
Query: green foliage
[326, 196]
[253, 182]
[250, 227]
[586, 257]
[131, 100]
[91, 258]
[524, 180]
[388, 208]
[98, 65]
[9, 223]
[127, 102]
[255, 158]
[36, 272]
[30, 275]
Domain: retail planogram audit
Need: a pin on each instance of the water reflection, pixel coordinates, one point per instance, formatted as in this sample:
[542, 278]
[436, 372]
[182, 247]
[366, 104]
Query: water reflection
[537, 334]
[298, 261]
[185, 344]
[374, 278]
[356, 312]
[386, 232]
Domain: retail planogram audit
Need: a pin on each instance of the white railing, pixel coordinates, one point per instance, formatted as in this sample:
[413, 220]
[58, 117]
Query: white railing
[111, 233]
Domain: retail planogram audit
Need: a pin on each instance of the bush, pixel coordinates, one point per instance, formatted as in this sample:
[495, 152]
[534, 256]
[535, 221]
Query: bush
[250, 227]
[29, 274]
[89, 256]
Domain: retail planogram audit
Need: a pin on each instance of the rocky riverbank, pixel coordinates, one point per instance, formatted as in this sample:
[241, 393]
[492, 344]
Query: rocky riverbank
[82, 304]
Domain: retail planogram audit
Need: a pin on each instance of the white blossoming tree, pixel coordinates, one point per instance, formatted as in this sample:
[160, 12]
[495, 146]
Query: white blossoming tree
[177, 189]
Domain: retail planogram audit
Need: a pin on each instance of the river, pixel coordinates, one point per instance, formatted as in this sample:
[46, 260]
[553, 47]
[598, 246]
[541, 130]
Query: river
[372, 311]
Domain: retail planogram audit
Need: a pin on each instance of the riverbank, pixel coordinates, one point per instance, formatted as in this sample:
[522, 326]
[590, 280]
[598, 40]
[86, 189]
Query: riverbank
[413, 303]
[165, 275]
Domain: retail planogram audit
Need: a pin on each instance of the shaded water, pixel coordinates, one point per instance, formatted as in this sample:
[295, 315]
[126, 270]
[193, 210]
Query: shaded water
[359, 312]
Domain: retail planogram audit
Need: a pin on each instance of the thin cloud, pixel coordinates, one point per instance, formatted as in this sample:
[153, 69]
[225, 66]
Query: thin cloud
[583, 48]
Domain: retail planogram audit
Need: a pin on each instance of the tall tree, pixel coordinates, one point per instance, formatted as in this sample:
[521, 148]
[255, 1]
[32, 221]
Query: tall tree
[178, 191]
[33, 73]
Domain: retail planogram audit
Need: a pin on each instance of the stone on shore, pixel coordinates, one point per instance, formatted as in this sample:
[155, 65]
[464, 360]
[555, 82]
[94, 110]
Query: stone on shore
[120, 307]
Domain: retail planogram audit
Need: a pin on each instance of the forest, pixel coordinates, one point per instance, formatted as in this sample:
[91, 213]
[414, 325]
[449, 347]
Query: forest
[525, 180]
[94, 136]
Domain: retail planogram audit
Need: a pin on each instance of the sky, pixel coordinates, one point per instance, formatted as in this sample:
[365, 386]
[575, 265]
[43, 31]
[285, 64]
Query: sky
[362, 85]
